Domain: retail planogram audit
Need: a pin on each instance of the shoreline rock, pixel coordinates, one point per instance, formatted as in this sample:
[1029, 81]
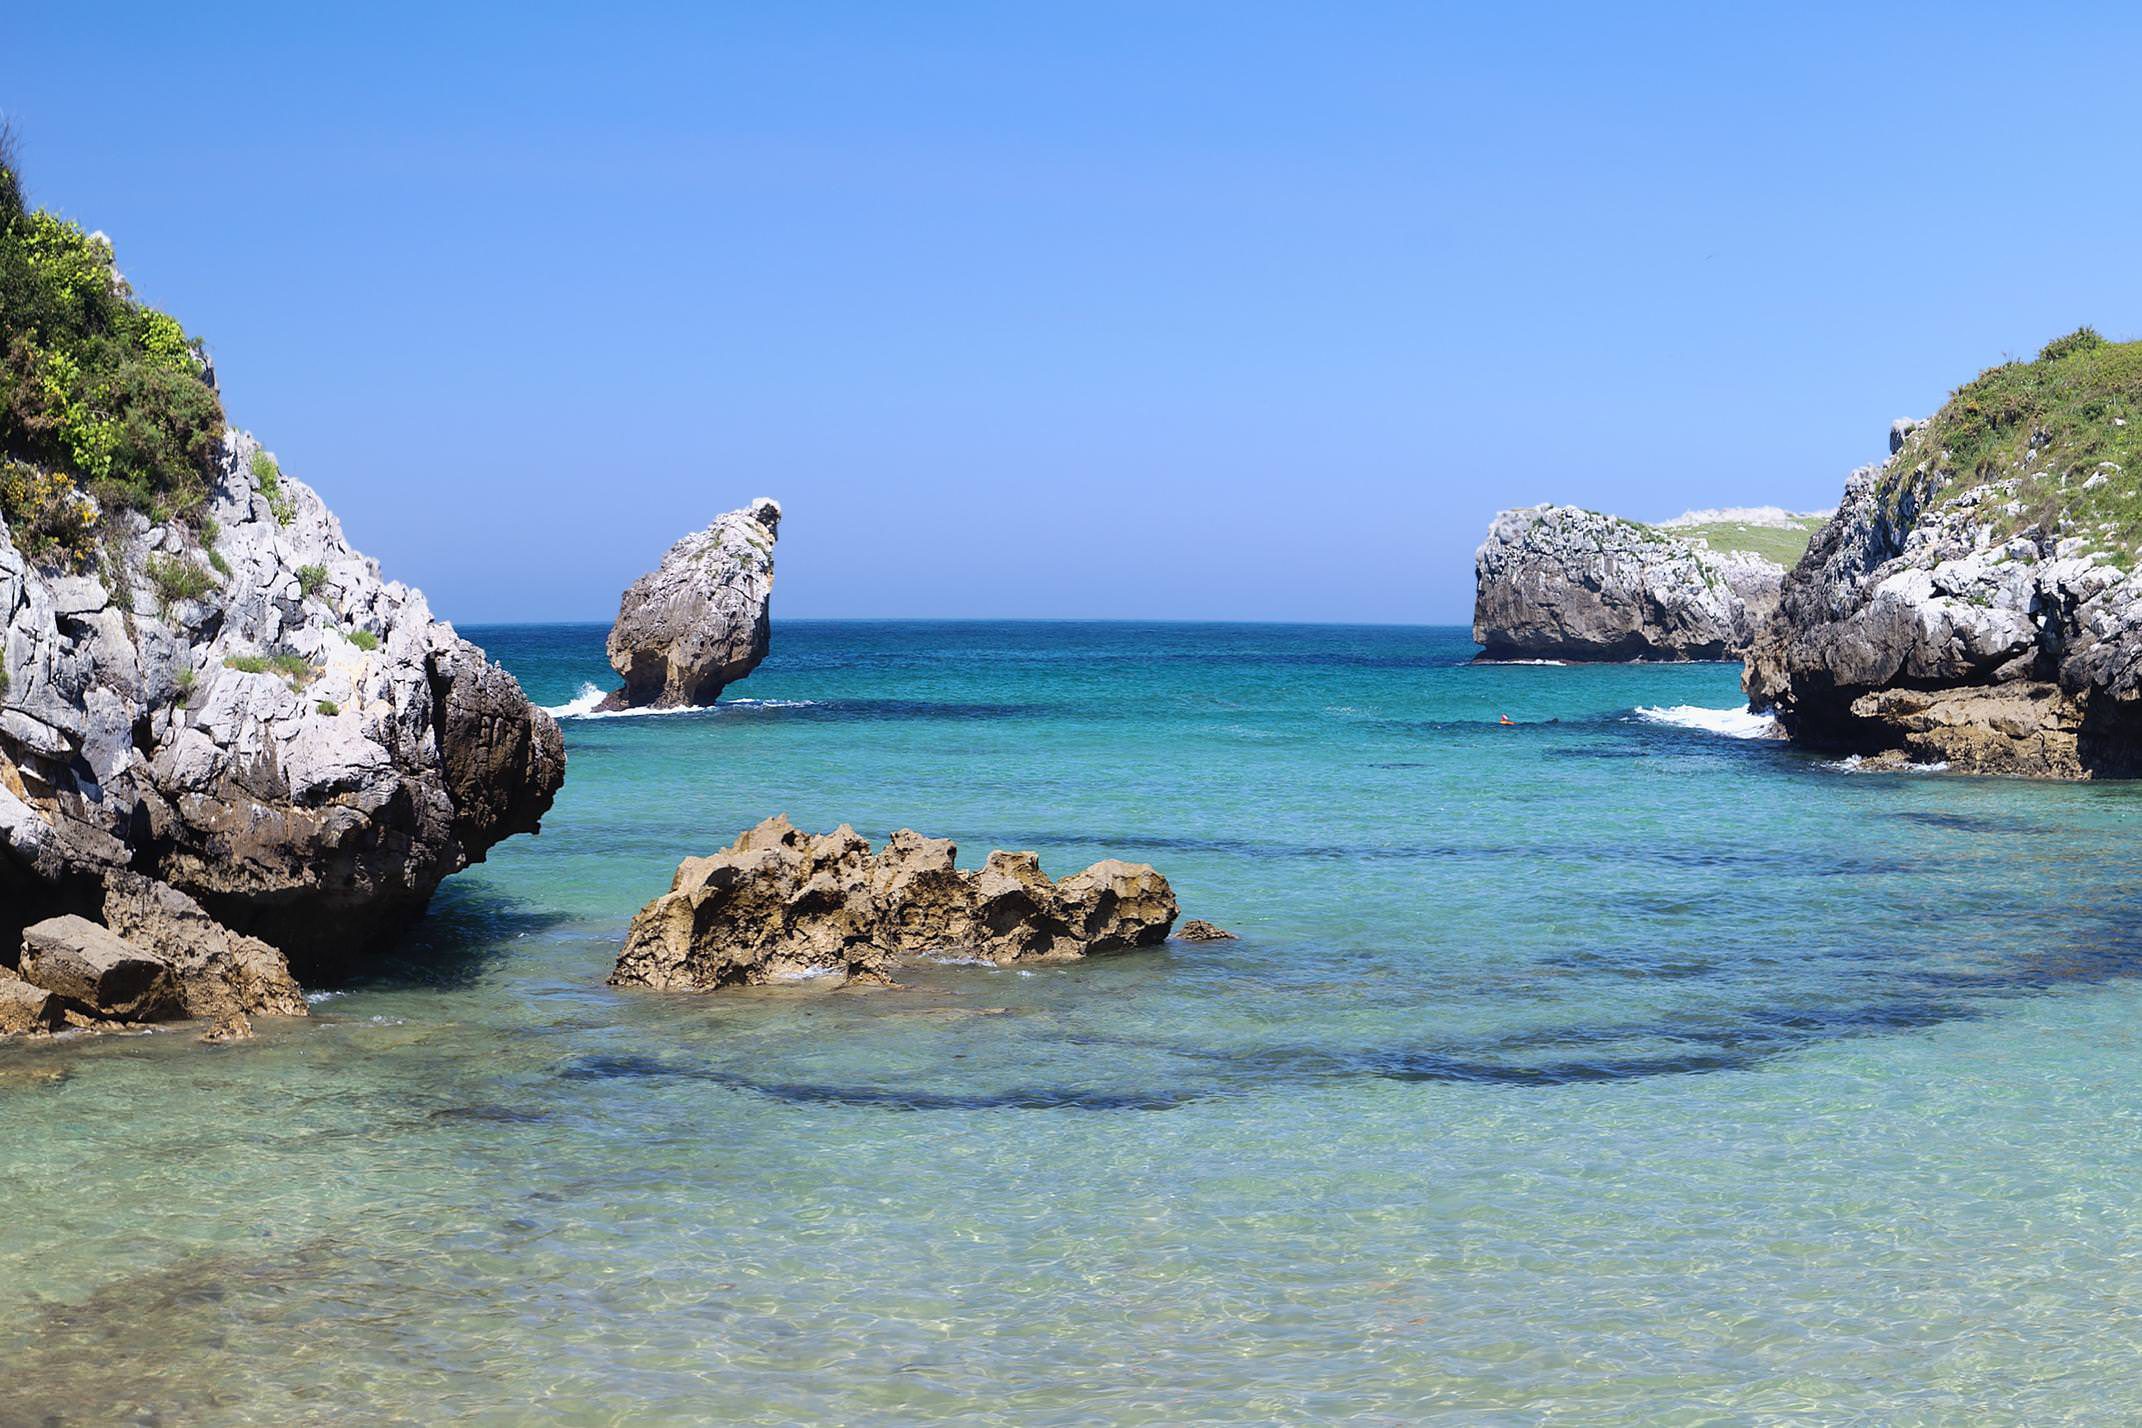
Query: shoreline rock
[781, 905]
[1564, 583]
[700, 620]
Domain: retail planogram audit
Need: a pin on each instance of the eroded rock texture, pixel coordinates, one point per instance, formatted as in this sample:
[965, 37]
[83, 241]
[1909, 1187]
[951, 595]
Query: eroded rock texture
[699, 621]
[782, 905]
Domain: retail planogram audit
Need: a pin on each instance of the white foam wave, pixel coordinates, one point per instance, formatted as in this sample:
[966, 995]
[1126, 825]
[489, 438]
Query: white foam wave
[315, 998]
[584, 705]
[1555, 663]
[1853, 763]
[1728, 723]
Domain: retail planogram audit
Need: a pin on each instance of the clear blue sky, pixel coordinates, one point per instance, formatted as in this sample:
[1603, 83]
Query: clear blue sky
[1221, 310]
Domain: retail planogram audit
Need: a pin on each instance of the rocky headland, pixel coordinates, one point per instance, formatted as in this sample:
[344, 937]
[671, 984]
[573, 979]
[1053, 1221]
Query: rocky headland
[226, 742]
[699, 621]
[1973, 603]
[782, 905]
[1564, 583]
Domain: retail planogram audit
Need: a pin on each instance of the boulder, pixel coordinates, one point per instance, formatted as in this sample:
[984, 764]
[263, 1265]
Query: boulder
[1197, 929]
[699, 621]
[219, 973]
[782, 905]
[96, 972]
[24, 1007]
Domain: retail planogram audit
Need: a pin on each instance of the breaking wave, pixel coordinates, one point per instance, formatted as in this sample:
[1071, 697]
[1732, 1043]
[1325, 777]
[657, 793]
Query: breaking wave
[1728, 723]
[584, 705]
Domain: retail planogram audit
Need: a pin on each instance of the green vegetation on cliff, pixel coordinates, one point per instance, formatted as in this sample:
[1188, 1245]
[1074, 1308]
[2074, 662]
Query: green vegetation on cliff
[1781, 545]
[99, 394]
[2066, 428]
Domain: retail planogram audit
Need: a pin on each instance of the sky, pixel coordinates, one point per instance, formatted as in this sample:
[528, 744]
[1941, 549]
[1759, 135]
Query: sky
[1166, 309]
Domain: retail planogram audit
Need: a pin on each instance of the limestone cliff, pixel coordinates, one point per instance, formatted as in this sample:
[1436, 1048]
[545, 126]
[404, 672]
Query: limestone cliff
[1559, 582]
[1972, 603]
[223, 735]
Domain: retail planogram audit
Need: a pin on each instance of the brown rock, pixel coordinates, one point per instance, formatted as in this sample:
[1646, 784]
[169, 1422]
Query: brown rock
[1197, 929]
[97, 972]
[237, 1026]
[26, 1008]
[219, 973]
[780, 905]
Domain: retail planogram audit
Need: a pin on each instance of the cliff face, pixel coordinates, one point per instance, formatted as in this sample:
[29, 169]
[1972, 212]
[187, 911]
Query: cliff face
[1558, 582]
[297, 745]
[1972, 603]
[223, 736]
[700, 620]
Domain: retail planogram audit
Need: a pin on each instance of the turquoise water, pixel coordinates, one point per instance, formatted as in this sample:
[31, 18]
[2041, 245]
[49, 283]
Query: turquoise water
[1602, 1070]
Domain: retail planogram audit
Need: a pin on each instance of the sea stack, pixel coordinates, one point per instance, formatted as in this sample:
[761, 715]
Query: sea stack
[698, 622]
[1564, 583]
[1973, 603]
[225, 741]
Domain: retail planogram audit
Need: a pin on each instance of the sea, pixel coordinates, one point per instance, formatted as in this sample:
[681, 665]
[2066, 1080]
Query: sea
[1619, 1065]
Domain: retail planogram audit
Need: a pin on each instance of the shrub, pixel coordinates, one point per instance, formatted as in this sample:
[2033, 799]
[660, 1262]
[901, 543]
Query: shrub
[310, 578]
[246, 664]
[364, 640]
[328, 707]
[177, 578]
[293, 667]
[187, 680]
[102, 391]
[269, 476]
[2082, 339]
[52, 522]
[222, 566]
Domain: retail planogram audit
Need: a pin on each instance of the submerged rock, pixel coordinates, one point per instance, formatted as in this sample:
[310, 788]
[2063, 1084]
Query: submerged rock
[782, 905]
[699, 621]
[1559, 582]
[1971, 602]
[1197, 929]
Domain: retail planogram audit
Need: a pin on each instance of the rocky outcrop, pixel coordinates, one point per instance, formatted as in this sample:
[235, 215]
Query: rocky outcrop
[96, 973]
[1197, 929]
[1559, 582]
[249, 744]
[1971, 604]
[782, 905]
[699, 621]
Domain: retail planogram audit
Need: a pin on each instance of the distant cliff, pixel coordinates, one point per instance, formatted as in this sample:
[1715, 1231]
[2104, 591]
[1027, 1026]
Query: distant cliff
[1974, 601]
[1560, 582]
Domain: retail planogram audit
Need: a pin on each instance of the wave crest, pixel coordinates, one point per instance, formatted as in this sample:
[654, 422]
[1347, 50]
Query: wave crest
[1727, 723]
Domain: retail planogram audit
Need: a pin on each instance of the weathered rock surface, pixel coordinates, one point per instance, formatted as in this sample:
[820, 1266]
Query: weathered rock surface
[699, 621]
[782, 905]
[301, 752]
[26, 1008]
[1560, 582]
[1969, 622]
[1197, 929]
[95, 972]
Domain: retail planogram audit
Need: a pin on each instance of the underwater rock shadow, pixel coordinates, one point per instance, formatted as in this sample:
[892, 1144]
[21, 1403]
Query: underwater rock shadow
[464, 933]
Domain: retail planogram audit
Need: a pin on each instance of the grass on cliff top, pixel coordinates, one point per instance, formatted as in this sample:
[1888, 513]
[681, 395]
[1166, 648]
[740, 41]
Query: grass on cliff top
[2052, 423]
[99, 394]
[1781, 545]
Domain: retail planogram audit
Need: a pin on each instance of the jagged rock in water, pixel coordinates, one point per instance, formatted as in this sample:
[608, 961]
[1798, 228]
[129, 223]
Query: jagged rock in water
[699, 621]
[782, 905]
[1197, 929]
[1560, 582]
[26, 1008]
[1974, 608]
[291, 744]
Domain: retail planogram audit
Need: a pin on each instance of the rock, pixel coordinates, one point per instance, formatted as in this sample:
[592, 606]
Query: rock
[782, 905]
[219, 973]
[145, 737]
[1197, 929]
[24, 1007]
[698, 622]
[234, 1026]
[1978, 616]
[1558, 582]
[96, 972]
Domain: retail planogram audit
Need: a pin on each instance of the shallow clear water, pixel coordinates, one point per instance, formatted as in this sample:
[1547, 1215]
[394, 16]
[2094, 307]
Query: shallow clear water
[1601, 1070]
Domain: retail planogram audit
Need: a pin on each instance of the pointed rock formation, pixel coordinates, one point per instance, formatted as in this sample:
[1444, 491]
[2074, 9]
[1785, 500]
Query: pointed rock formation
[698, 622]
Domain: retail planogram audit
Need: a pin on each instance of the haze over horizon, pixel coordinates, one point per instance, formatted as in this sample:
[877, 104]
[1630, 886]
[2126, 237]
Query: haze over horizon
[1260, 317]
